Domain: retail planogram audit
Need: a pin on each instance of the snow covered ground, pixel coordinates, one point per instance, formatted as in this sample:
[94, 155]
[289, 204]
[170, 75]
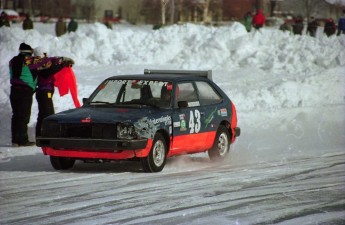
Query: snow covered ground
[287, 167]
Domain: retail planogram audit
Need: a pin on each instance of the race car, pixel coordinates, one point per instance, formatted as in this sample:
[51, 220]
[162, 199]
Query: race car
[146, 117]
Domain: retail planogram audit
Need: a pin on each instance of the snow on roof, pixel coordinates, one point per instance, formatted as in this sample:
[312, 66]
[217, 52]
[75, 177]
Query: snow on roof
[9, 12]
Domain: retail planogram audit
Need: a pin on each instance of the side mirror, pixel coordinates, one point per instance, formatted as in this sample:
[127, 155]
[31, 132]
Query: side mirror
[182, 104]
[85, 101]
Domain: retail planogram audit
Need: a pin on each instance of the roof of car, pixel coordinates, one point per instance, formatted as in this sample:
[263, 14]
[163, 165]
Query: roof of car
[170, 77]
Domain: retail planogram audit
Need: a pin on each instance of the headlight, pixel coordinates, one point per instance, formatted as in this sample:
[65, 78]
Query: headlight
[125, 131]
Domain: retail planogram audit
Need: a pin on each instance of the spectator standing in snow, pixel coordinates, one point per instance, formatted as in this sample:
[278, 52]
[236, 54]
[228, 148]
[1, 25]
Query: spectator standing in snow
[60, 27]
[72, 26]
[341, 24]
[259, 19]
[4, 20]
[108, 24]
[284, 27]
[312, 27]
[247, 21]
[24, 71]
[22, 88]
[330, 27]
[28, 24]
[45, 85]
[297, 27]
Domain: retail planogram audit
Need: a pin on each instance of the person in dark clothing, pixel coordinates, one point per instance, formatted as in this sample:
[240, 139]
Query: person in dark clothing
[341, 24]
[330, 27]
[22, 88]
[312, 27]
[4, 20]
[284, 27]
[27, 23]
[298, 27]
[72, 26]
[24, 70]
[45, 87]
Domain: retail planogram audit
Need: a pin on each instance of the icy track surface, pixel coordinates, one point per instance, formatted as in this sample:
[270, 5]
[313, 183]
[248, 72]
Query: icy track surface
[299, 191]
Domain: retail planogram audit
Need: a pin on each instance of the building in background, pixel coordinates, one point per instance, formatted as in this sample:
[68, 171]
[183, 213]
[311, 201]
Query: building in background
[172, 11]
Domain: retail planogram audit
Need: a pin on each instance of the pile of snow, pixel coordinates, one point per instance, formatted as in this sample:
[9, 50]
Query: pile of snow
[288, 89]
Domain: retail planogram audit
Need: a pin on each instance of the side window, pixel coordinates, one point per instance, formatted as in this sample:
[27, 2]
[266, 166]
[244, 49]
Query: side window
[207, 94]
[187, 92]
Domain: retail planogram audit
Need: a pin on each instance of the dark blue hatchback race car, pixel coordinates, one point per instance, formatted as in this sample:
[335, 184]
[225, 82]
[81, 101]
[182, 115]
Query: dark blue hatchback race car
[147, 117]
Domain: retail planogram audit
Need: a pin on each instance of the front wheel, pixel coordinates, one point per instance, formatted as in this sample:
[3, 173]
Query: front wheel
[221, 144]
[61, 163]
[156, 159]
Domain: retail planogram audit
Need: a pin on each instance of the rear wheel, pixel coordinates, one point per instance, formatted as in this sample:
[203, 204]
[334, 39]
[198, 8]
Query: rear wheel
[156, 159]
[221, 144]
[61, 163]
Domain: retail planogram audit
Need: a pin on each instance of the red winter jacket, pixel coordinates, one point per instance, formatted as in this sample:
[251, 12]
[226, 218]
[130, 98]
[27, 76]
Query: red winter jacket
[259, 19]
[65, 82]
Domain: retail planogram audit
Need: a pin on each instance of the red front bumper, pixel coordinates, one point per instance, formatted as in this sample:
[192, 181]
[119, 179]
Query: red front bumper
[98, 154]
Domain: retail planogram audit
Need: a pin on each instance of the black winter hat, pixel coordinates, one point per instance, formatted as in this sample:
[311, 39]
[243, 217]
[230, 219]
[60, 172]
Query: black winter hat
[25, 48]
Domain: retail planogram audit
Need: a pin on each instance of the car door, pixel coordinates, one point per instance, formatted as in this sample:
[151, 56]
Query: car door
[188, 119]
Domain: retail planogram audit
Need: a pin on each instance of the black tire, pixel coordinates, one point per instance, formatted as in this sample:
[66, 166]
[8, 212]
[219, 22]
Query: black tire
[221, 145]
[156, 159]
[61, 163]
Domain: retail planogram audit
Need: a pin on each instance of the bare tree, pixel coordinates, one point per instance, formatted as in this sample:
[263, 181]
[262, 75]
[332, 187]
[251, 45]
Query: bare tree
[164, 4]
[273, 6]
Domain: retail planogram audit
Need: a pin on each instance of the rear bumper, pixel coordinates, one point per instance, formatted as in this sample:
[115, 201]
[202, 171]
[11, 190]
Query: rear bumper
[90, 145]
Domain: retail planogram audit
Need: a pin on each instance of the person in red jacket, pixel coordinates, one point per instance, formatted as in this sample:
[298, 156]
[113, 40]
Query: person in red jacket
[259, 19]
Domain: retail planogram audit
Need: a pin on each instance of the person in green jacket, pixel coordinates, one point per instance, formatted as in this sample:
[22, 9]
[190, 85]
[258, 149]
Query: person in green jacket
[72, 25]
[28, 24]
[23, 85]
[247, 21]
[4, 20]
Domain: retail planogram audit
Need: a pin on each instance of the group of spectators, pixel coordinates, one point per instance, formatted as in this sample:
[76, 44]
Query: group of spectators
[60, 27]
[33, 72]
[257, 21]
[330, 27]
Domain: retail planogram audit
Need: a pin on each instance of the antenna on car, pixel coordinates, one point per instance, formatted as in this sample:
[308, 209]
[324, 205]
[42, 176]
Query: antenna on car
[202, 73]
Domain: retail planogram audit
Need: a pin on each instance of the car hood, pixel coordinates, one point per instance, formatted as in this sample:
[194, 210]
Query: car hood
[102, 115]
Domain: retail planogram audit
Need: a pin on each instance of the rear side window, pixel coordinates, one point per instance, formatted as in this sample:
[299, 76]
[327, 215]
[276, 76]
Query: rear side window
[186, 92]
[207, 95]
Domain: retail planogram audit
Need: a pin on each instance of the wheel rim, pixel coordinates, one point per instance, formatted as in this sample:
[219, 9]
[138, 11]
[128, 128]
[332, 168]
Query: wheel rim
[158, 153]
[223, 143]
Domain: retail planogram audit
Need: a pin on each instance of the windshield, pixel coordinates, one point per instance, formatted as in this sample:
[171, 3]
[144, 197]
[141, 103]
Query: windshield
[151, 93]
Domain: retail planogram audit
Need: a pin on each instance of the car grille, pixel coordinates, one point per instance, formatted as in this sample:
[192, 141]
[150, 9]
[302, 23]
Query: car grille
[72, 130]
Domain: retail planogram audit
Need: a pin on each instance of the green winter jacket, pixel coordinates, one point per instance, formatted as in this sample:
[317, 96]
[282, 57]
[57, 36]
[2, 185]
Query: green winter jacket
[25, 78]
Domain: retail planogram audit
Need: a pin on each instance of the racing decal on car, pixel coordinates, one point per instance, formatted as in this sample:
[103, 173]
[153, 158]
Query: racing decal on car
[177, 124]
[193, 104]
[182, 122]
[86, 120]
[147, 127]
[194, 121]
[210, 117]
[163, 119]
[223, 112]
